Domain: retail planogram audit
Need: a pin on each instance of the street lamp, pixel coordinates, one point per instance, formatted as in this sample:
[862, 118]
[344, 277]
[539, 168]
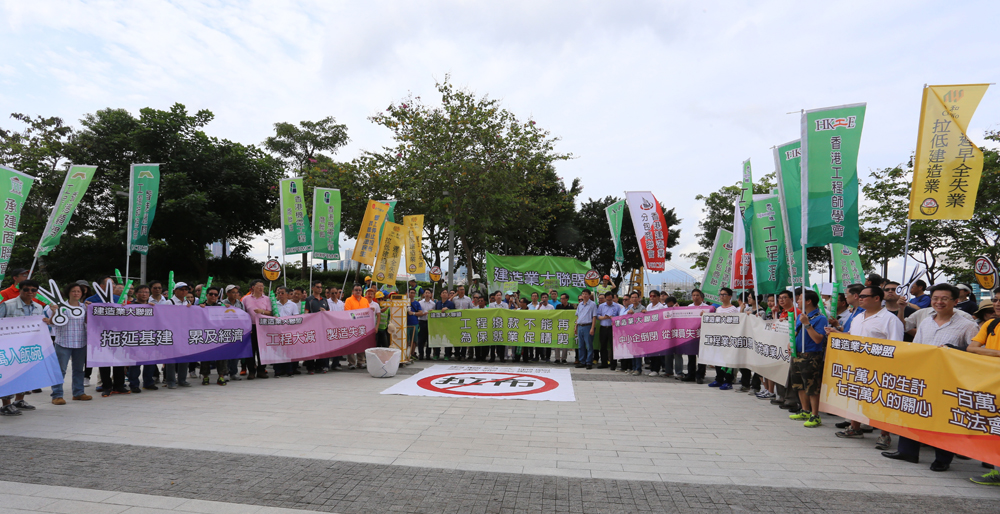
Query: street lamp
[269, 245]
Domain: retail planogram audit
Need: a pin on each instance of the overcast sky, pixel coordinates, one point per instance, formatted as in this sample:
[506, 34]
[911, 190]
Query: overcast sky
[665, 96]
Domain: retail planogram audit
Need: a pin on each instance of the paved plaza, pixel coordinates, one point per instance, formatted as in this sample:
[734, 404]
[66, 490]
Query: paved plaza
[333, 443]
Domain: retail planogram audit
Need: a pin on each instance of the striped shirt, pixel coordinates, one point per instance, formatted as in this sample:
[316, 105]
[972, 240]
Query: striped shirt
[958, 331]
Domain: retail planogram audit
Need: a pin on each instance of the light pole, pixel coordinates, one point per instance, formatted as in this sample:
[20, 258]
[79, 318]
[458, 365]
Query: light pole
[269, 245]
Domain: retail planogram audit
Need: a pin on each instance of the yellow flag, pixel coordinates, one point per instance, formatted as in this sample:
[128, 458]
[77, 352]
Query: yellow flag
[390, 251]
[947, 166]
[414, 243]
[364, 250]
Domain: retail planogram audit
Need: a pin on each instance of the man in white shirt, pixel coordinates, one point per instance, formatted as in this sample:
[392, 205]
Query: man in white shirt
[657, 365]
[726, 302]
[176, 374]
[879, 323]
[286, 307]
[696, 372]
[533, 306]
[496, 301]
[426, 305]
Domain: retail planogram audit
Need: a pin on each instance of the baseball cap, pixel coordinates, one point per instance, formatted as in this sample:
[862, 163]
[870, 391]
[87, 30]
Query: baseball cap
[607, 277]
[475, 276]
[964, 287]
[230, 287]
[368, 277]
[180, 285]
[17, 271]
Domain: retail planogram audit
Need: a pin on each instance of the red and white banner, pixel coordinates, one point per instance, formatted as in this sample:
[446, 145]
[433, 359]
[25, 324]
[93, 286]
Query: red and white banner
[650, 228]
[501, 383]
[742, 272]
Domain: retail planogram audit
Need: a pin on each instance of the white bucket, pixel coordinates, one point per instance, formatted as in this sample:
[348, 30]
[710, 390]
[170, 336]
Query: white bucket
[383, 362]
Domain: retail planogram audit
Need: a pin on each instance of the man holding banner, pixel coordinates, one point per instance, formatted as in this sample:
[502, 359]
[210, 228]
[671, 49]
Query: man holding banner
[807, 365]
[22, 305]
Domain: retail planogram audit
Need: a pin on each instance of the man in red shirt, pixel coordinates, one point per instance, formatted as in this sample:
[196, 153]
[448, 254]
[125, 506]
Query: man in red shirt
[19, 275]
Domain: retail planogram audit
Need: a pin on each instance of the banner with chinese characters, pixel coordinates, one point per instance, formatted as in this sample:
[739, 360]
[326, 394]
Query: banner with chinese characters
[531, 272]
[414, 243]
[720, 264]
[767, 235]
[947, 166]
[788, 163]
[14, 188]
[390, 252]
[496, 382]
[27, 358]
[134, 334]
[847, 267]
[743, 341]
[650, 228]
[616, 213]
[74, 187]
[488, 327]
[939, 396]
[144, 192]
[296, 236]
[315, 336]
[670, 331]
[371, 227]
[390, 215]
[326, 223]
[831, 138]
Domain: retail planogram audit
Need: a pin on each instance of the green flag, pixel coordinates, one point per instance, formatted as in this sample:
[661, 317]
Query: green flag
[847, 267]
[14, 188]
[720, 263]
[74, 187]
[295, 234]
[770, 258]
[830, 141]
[615, 212]
[144, 191]
[531, 272]
[390, 216]
[326, 223]
[787, 162]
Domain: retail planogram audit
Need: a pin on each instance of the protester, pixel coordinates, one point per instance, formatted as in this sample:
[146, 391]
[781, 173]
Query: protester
[985, 312]
[422, 308]
[357, 302]
[70, 343]
[232, 301]
[21, 305]
[605, 312]
[920, 300]
[586, 315]
[478, 287]
[966, 300]
[257, 304]
[18, 275]
[563, 305]
[657, 363]
[807, 365]
[316, 303]
[148, 372]
[987, 343]
[444, 305]
[176, 374]
[696, 372]
[412, 323]
[606, 286]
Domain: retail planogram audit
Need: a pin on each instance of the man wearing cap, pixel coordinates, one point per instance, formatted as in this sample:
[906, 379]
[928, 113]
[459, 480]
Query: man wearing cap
[232, 301]
[478, 287]
[221, 366]
[21, 305]
[605, 286]
[965, 301]
[19, 275]
[176, 373]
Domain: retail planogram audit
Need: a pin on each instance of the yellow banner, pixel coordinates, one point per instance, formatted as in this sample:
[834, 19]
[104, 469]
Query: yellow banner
[947, 166]
[390, 251]
[414, 243]
[364, 250]
[943, 397]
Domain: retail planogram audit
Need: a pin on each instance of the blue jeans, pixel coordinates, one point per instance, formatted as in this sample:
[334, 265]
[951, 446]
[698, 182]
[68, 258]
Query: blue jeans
[678, 363]
[147, 375]
[79, 356]
[234, 367]
[636, 363]
[585, 340]
[175, 373]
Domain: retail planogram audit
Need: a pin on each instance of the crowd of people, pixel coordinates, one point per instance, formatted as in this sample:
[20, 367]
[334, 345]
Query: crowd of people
[943, 315]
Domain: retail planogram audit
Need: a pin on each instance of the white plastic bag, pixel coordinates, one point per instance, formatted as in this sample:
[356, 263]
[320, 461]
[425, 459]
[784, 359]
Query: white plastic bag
[383, 362]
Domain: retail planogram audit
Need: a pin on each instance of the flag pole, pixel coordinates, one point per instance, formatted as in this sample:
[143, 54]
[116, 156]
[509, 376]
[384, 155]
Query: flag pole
[906, 249]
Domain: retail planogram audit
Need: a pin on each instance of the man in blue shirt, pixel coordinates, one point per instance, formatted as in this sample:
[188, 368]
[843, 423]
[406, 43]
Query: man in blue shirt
[807, 365]
[21, 305]
[920, 300]
[586, 315]
[444, 304]
[106, 283]
[412, 322]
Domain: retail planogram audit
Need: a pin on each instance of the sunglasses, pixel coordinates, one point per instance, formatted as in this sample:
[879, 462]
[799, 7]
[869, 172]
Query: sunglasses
[213, 294]
[889, 289]
[30, 290]
[866, 295]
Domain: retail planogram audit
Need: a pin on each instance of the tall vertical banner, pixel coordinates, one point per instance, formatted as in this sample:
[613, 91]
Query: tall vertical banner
[371, 227]
[650, 228]
[14, 188]
[390, 215]
[720, 265]
[74, 187]
[831, 138]
[615, 213]
[390, 251]
[947, 166]
[768, 234]
[788, 163]
[326, 223]
[296, 237]
[414, 237]
[143, 193]
[742, 272]
[847, 268]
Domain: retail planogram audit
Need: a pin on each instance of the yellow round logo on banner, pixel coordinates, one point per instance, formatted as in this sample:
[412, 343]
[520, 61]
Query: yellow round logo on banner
[380, 276]
[435, 274]
[271, 270]
[592, 278]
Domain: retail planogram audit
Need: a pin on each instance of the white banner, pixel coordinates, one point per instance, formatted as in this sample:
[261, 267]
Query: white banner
[502, 383]
[650, 228]
[743, 341]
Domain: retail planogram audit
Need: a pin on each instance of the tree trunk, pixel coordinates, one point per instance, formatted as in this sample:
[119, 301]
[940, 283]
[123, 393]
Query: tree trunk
[305, 265]
[224, 252]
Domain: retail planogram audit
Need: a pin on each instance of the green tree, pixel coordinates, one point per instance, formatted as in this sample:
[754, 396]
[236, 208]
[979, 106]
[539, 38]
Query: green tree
[302, 147]
[472, 167]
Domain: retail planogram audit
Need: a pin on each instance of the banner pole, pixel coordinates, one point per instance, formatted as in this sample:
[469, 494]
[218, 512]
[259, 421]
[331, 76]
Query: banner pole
[284, 271]
[346, 273]
[906, 249]
[310, 271]
[31, 271]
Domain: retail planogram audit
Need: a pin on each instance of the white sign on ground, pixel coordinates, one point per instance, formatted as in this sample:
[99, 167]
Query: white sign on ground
[504, 383]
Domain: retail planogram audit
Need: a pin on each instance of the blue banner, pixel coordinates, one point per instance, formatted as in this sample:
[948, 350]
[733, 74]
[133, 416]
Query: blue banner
[27, 358]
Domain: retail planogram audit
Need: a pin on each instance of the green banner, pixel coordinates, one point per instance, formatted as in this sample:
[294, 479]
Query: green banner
[530, 272]
[144, 191]
[830, 141]
[615, 212]
[295, 234]
[770, 258]
[746, 201]
[74, 187]
[326, 223]
[390, 216]
[720, 264]
[847, 267]
[14, 188]
[489, 327]
[787, 162]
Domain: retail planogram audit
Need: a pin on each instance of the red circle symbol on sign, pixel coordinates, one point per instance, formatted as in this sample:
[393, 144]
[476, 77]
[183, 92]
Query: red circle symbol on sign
[489, 379]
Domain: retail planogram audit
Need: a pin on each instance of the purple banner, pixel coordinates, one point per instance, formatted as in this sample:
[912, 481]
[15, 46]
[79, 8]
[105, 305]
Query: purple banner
[674, 330]
[129, 335]
[315, 336]
[27, 358]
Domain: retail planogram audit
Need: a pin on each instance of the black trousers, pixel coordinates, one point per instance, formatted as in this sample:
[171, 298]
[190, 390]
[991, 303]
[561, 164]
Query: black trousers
[253, 363]
[422, 351]
[112, 379]
[604, 353]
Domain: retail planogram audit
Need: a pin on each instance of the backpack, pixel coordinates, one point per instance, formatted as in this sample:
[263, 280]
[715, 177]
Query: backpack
[992, 326]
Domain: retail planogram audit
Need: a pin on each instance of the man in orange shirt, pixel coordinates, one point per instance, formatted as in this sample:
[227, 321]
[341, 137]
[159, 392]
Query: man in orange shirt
[19, 275]
[355, 302]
